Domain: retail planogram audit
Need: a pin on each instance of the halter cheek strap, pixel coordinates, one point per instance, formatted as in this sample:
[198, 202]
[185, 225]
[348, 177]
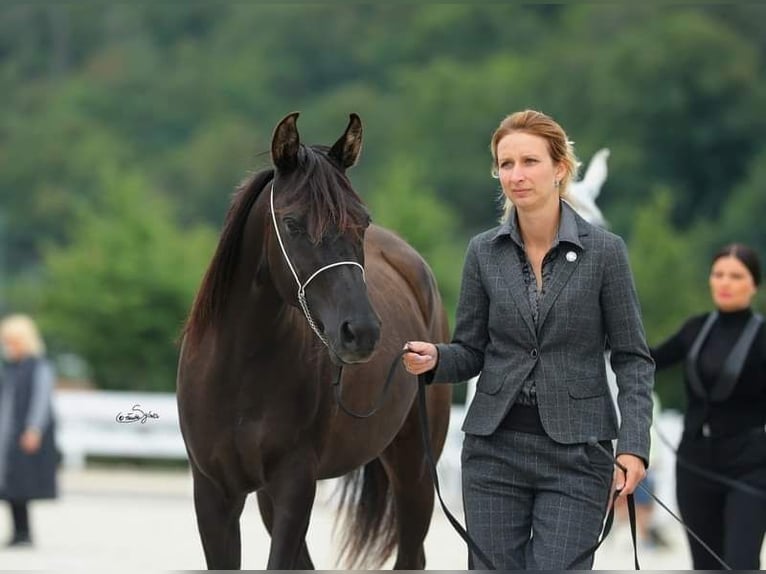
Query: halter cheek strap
[302, 286]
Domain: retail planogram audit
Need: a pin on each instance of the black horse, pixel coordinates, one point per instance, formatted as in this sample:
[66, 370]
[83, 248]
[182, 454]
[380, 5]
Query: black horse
[300, 285]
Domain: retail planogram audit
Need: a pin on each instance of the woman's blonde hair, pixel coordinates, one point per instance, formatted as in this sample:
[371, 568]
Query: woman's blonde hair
[560, 148]
[23, 328]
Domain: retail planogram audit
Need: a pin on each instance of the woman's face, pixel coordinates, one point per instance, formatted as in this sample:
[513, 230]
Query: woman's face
[731, 284]
[526, 171]
[13, 347]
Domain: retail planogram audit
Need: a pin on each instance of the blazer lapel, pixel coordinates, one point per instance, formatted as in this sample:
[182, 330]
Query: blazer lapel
[512, 270]
[571, 228]
[562, 271]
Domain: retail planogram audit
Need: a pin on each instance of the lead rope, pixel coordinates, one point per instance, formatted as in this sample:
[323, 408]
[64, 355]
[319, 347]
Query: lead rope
[424, 433]
[610, 515]
[470, 542]
[693, 534]
[379, 403]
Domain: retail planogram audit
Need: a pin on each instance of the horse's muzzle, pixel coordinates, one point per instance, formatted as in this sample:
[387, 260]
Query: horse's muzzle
[356, 341]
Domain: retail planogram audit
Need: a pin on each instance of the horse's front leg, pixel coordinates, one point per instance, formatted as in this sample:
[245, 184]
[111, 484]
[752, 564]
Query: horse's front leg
[218, 522]
[405, 462]
[266, 508]
[291, 489]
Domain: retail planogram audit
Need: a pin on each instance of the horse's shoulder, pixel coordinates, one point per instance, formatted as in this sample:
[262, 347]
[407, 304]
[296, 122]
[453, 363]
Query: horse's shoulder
[384, 244]
[385, 248]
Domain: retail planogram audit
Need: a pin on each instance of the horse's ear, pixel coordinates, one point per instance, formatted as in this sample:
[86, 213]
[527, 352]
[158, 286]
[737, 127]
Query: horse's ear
[346, 149]
[285, 143]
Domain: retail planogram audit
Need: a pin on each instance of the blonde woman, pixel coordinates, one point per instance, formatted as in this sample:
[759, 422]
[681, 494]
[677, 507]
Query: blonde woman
[27, 448]
[541, 295]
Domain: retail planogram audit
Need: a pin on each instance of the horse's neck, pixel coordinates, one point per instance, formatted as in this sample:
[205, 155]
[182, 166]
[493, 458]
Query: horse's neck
[256, 305]
[263, 318]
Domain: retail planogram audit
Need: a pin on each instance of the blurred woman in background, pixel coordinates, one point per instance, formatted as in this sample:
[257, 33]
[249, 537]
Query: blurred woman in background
[724, 353]
[27, 447]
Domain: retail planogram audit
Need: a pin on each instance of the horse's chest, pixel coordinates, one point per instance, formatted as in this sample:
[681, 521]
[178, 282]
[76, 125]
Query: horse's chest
[265, 443]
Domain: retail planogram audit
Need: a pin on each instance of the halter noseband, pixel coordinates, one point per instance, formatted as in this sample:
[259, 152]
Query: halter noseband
[302, 286]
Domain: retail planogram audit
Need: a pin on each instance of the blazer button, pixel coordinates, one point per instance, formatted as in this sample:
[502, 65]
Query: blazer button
[533, 353]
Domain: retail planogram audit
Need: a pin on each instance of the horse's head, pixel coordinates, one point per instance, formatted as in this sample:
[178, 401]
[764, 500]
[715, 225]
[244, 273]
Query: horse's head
[316, 255]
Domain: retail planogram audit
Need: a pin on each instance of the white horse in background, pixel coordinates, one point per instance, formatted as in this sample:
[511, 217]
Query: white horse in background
[583, 193]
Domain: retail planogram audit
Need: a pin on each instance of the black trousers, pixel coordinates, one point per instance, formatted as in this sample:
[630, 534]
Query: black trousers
[20, 516]
[731, 521]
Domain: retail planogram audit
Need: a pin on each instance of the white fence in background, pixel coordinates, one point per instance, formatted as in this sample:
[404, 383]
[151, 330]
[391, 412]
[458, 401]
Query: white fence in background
[117, 424]
[109, 424]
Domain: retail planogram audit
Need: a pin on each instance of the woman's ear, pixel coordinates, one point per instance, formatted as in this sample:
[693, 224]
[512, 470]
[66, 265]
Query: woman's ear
[560, 173]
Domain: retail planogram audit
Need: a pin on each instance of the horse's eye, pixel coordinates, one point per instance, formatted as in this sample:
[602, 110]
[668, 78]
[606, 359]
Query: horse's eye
[292, 226]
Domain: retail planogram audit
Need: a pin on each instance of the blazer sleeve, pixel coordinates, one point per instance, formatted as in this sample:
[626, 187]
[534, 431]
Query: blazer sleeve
[463, 357]
[630, 358]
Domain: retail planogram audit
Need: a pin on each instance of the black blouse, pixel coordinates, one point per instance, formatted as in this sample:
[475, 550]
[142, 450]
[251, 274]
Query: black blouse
[745, 407]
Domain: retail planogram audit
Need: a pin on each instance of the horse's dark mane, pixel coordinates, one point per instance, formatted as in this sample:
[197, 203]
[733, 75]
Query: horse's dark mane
[212, 292]
[317, 189]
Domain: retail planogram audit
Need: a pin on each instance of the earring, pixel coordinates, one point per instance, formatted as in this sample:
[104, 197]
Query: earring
[557, 183]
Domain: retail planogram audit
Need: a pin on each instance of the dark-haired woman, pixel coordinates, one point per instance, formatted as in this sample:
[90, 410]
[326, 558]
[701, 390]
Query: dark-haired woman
[725, 424]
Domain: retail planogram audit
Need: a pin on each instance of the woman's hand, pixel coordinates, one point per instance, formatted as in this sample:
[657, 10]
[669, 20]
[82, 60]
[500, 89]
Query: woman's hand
[421, 358]
[30, 441]
[627, 482]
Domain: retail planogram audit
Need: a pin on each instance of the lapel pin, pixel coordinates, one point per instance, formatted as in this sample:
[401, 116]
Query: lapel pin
[571, 256]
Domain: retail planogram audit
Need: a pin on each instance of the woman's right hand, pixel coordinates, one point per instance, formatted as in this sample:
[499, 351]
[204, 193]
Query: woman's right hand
[421, 357]
[30, 441]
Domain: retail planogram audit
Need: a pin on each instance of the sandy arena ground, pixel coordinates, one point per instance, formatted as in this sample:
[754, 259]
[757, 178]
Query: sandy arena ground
[127, 519]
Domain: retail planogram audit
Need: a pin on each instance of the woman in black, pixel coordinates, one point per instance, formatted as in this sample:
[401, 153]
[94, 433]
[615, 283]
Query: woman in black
[724, 353]
[27, 447]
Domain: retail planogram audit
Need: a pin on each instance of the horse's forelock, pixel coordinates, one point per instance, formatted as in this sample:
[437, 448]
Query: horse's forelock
[323, 194]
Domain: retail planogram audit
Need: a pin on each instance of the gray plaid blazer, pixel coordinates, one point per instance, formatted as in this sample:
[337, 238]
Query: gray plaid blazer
[590, 299]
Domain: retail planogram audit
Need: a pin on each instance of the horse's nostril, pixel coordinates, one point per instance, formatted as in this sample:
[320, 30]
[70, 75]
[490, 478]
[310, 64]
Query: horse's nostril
[347, 333]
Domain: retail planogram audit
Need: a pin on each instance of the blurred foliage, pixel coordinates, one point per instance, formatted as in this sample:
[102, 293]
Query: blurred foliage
[126, 127]
[119, 292]
[665, 262]
[411, 207]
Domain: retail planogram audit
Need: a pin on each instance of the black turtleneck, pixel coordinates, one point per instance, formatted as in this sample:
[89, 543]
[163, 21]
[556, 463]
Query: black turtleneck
[746, 406]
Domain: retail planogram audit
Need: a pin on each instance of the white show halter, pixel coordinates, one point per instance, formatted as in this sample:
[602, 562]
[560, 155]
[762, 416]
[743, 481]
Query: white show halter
[302, 287]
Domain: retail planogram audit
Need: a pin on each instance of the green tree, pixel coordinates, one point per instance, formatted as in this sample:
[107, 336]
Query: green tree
[404, 203]
[118, 295]
[745, 210]
[50, 155]
[670, 274]
[188, 96]
[678, 97]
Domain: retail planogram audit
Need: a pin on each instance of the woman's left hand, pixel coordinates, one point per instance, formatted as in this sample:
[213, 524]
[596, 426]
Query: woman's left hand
[30, 441]
[627, 482]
